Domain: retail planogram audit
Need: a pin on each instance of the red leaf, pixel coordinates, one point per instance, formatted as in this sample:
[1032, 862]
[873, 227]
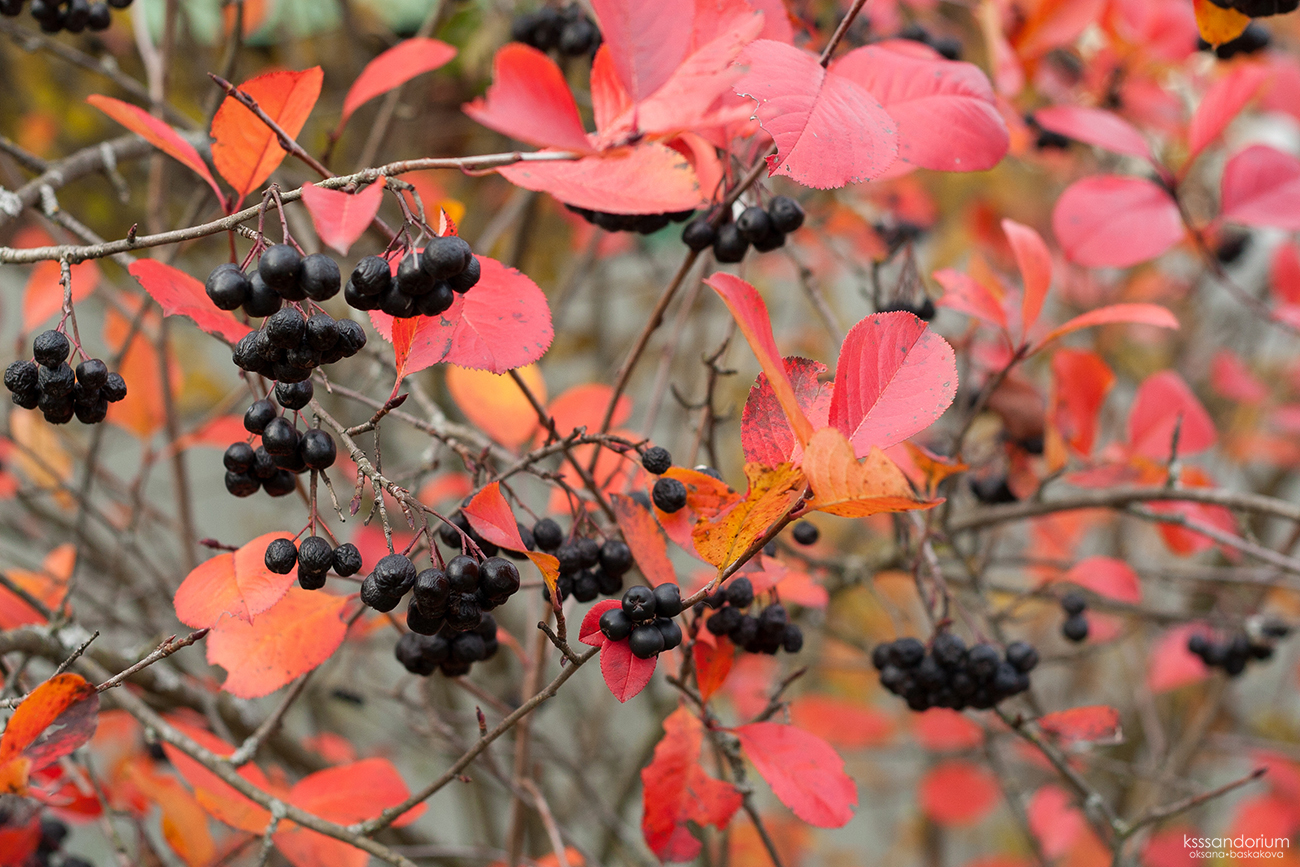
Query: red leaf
[43, 296]
[56, 718]
[493, 519]
[341, 218]
[584, 406]
[1164, 402]
[1232, 379]
[218, 797]
[713, 661]
[589, 632]
[643, 535]
[244, 150]
[945, 112]
[1108, 221]
[500, 324]
[894, 378]
[1171, 665]
[940, 730]
[676, 791]
[829, 131]
[804, 771]
[647, 179]
[1221, 104]
[625, 674]
[1080, 383]
[237, 583]
[179, 294]
[157, 133]
[1054, 820]
[1133, 314]
[290, 638]
[529, 100]
[1094, 126]
[1096, 723]
[395, 67]
[1261, 187]
[958, 793]
[750, 313]
[764, 431]
[965, 294]
[1035, 263]
[846, 724]
[1106, 576]
[647, 41]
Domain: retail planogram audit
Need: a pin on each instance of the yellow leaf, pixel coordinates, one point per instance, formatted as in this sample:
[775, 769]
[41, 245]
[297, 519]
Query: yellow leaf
[1218, 25]
[41, 456]
[772, 494]
[842, 486]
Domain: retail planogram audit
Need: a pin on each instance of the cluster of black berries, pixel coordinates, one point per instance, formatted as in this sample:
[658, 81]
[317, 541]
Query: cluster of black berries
[288, 347]
[1232, 654]
[668, 495]
[949, 675]
[588, 568]
[50, 383]
[49, 848]
[314, 557]
[448, 651]
[427, 282]
[73, 16]
[764, 229]
[644, 224]
[283, 453]
[456, 597]
[1259, 8]
[1075, 627]
[566, 30]
[767, 632]
[947, 46]
[283, 274]
[645, 619]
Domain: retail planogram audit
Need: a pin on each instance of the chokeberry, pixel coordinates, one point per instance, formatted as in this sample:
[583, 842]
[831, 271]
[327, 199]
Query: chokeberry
[948, 650]
[319, 277]
[315, 554]
[464, 612]
[657, 460]
[467, 279]
[740, 592]
[724, 621]
[615, 624]
[285, 328]
[280, 437]
[728, 244]
[615, 557]
[425, 623]
[805, 533]
[668, 600]
[322, 332]
[982, 661]
[21, 376]
[259, 415]
[371, 277]
[699, 234]
[1074, 603]
[228, 287]
[114, 388]
[56, 381]
[669, 495]
[346, 560]
[1022, 655]
[792, 638]
[588, 552]
[352, 337]
[281, 483]
[394, 575]
[279, 267]
[241, 484]
[785, 213]
[239, 457]
[645, 641]
[1075, 628]
[569, 556]
[585, 586]
[754, 224]
[398, 303]
[608, 584]
[294, 395]
[412, 652]
[498, 577]
[436, 301]
[908, 652]
[670, 631]
[92, 373]
[317, 449]
[281, 556]
[432, 591]
[445, 257]
[411, 278]
[373, 595]
[262, 300]
[639, 603]
[51, 348]
[463, 572]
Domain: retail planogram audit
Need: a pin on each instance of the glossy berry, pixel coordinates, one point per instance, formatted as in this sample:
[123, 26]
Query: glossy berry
[728, 245]
[656, 460]
[615, 624]
[615, 557]
[280, 484]
[699, 235]
[317, 449]
[608, 584]
[1075, 628]
[1074, 603]
[740, 592]
[262, 300]
[92, 373]
[346, 560]
[547, 534]
[982, 661]
[372, 276]
[279, 267]
[227, 287]
[645, 641]
[462, 572]
[639, 603]
[433, 591]
[806, 533]
[585, 586]
[498, 577]
[239, 457]
[669, 631]
[467, 279]
[1022, 655]
[51, 348]
[445, 257]
[281, 556]
[319, 277]
[668, 600]
[315, 555]
[394, 575]
[259, 415]
[294, 395]
[669, 495]
[280, 437]
[908, 652]
[785, 213]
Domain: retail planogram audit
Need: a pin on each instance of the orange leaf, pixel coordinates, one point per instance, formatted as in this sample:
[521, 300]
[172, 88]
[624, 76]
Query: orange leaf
[219, 798]
[141, 412]
[157, 133]
[56, 718]
[291, 638]
[495, 404]
[1098, 723]
[645, 538]
[842, 486]
[713, 661]
[246, 151]
[1218, 25]
[184, 821]
[706, 497]
[772, 494]
[678, 791]
[493, 519]
[1136, 314]
[237, 583]
[48, 585]
[42, 458]
[44, 295]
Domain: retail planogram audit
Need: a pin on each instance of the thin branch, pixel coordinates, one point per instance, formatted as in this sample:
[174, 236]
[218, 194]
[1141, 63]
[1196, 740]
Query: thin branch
[166, 649]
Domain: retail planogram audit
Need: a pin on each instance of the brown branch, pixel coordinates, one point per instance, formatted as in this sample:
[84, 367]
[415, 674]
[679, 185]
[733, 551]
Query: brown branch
[166, 649]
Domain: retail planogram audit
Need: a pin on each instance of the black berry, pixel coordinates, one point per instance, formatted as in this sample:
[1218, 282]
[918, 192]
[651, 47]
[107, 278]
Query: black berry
[785, 213]
[51, 348]
[259, 415]
[639, 603]
[668, 600]
[669, 495]
[319, 277]
[346, 560]
[281, 556]
[280, 437]
[615, 624]
[317, 449]
[228, 287]
[279, 267]
[1075, 628]
[805, 533]
[645, 641]
[615, 557]
[657, 460]
[315, 555]
[294, 395]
